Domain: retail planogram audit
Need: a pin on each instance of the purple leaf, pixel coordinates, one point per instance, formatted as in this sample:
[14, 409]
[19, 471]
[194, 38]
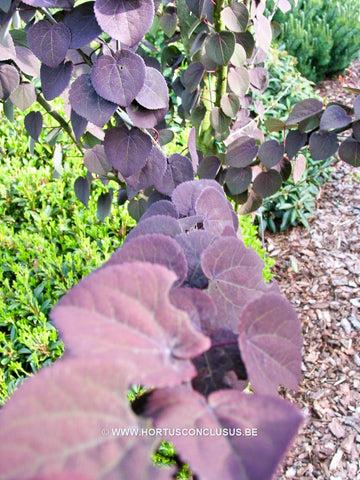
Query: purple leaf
[162, 207]
[88, 104]
[252, 204]
[303, 110]
[7, 48]
[193, 75]
[127, 150]
[27, 62]
[235, 278]
[219, 121]
[357, 106]
[49, 42]
[349, 152]
[24, 96]
[267, 183]
[270, 343]
[125, 20]
[179, 170]
[201, 8]
[154, 93]
[209, 167]
[33, 124]
[124, 312]
[235, 17]
[168, 22]
[250, 423]
[153, 248]
[81, 401]
[9, 80]
[323, 144]
[78, 123]
[55, 80]
[241, 152]
[96, 161]
[259, 79]
[82, 190]
[155, 224]
[238, 179]
[187, 193]
[192, 148]
[263, 32]
[144, 118]
[294, 141]
[216, 211]
[65, 4]
[82, 24]
[118, 78]
[334, 117]
[230, 104]
[193, 244]
[154, 168]
[271, 152]
[104, 203]
[220, 46]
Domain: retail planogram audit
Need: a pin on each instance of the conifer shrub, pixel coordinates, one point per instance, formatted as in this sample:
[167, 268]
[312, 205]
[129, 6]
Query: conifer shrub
[323, 35]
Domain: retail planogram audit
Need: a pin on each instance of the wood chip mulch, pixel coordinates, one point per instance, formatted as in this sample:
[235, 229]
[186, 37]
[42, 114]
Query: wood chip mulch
[318, 270]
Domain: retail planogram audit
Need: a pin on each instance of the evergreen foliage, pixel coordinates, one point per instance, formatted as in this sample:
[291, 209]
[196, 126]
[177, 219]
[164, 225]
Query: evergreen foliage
[323, 35]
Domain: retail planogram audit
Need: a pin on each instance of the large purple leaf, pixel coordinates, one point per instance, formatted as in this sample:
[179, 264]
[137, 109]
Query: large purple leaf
[154, 92]
[153, 248]
[270, 343]
[201, 8]
[7, 47]
[294, 141]
[238, 80]
[263, 32]
[235, 17]
[235, 278]
[65, 4]
[349, 151]
[193, 244]
[127, 150]
[26, 61]
[154, 168]
[179, 170]
[24, 96]
[124, 311]
[216, 210]
[267, 183]
[125, 20]
[334, 117]
[77, 404]
[248, 426]
[33, 123]
[119, 78]
[55, 80]
[187, 193]
[238, 179]
[82, 24]
[9, 80]
[323, 144]
[241, 152]
[209, 167]
[143, 117]
[49, 42]
[303, 110]
[220, 46]
[156, 224]
[88, 104]
[193, 75]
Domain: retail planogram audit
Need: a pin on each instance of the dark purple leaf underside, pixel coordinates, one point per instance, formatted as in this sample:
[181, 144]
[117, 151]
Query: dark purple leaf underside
[235, 278]
[323, 144]
[156, 249]
[127, 150]
[124, 312]
[237, 456]
[303, 110]
[82, 190]
[9, 80]
[103, 207]
[88, 104]
[118, 78]
[241, 152]
[270, 343]
[81, 399]
[49, 42]
[33, 124]
[55, 80]
[270, 153]
[334, 117]
[125, 20]
[82, 24]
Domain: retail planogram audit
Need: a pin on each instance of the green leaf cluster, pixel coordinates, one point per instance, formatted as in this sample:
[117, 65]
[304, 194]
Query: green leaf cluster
[324, 36]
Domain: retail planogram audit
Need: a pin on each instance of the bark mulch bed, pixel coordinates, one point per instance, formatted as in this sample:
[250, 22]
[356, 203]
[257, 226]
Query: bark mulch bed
[319, 272]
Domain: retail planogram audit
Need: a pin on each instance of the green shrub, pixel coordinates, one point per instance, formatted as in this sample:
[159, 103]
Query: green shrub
[324, 36]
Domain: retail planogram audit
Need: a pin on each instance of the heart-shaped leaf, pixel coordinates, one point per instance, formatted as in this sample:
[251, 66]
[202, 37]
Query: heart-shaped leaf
[82, 24]
[154, 93]
[303, 110]
[33, 124]
[349, 151]
[220, 47]
[9, 80]
[267, 183]
[235, 17]
[48, 42]
[323, 144]
[55, 80]
[334, 117]
[270, 153]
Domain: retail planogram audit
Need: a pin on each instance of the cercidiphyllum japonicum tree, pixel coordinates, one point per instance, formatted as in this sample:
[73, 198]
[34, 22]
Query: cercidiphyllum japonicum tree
[182, 306]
